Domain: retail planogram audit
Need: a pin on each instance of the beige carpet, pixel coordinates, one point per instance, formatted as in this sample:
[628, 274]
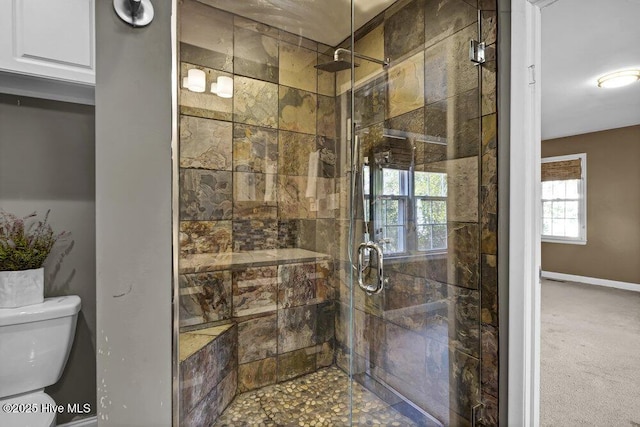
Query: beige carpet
[590, 356]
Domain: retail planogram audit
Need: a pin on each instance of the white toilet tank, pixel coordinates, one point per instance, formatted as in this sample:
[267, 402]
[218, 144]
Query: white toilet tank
[35, 342]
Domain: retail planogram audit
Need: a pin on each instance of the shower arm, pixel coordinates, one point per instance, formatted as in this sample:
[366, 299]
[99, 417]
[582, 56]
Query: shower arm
[336, 57]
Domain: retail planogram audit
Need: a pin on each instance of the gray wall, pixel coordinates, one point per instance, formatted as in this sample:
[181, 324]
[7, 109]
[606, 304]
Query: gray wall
[47, 161]
[133, 218]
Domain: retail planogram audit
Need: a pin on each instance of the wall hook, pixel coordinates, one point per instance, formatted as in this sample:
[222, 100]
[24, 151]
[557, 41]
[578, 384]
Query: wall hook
[137, 13]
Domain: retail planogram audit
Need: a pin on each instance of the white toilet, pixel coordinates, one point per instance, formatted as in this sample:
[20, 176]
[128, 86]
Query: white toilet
[35, 342]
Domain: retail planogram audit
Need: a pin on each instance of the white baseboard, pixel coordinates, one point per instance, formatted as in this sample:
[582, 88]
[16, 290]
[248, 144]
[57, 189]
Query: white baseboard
[627, 286]
[85, 422]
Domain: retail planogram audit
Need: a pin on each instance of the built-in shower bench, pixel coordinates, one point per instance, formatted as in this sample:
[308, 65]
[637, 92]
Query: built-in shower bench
[223, 288]
[199, 263]
[208, 370]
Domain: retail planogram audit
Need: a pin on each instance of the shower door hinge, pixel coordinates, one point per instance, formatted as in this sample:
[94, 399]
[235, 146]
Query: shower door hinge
[477, 415]
[476, 52]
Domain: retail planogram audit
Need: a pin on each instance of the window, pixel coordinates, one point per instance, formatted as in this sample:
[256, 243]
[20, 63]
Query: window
[564, 216]
[431, 210]
[392, 214]
[410, 215]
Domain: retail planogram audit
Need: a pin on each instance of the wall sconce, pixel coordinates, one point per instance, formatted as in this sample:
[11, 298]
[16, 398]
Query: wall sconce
[195, 81]
[223, 87]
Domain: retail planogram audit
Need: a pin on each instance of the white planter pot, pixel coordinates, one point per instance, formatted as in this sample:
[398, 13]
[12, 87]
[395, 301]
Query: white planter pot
[23, 287]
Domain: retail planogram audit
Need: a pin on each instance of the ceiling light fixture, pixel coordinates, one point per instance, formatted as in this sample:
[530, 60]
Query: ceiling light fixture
[619, 78]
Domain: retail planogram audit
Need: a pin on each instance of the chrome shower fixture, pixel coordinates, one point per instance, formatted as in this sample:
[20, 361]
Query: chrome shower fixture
[341, 61]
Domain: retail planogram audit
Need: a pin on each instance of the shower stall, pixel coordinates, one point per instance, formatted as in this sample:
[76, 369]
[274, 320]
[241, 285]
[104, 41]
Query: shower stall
[338, 213]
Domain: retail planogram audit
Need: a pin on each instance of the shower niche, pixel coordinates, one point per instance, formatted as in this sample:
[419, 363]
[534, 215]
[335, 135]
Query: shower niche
[383, 134]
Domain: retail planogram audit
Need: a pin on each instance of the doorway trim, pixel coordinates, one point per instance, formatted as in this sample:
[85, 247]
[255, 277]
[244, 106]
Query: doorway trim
[523, 378]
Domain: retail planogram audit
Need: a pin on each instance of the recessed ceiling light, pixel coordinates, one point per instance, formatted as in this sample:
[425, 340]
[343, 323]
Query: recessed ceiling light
[619, 78]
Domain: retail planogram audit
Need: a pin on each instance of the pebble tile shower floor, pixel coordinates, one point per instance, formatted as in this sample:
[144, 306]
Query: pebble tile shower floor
[317, 399]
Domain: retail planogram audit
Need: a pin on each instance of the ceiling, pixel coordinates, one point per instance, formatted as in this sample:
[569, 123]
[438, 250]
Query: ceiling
[581, 40]
[325, 21]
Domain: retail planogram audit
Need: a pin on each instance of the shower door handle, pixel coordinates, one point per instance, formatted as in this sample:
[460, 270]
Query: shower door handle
[376, 288]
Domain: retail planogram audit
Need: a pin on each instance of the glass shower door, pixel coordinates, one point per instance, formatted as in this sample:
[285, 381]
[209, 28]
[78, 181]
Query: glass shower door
[415, 180]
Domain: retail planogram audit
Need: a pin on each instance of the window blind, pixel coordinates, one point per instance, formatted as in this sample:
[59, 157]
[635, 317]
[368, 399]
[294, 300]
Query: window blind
[562, 171]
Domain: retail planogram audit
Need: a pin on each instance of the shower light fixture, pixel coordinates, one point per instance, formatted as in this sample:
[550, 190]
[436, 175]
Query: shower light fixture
[195, 81]
[223, 87]
[619, 78]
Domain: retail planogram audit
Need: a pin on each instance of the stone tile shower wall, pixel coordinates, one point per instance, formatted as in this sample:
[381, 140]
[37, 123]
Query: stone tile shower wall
[433, 334]
[245, 187]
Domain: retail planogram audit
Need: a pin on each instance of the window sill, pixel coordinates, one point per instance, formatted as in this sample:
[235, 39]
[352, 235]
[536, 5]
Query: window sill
[566, 241]
[411, 257]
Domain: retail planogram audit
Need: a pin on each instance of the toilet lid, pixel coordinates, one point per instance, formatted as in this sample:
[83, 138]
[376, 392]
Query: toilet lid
[37, 403]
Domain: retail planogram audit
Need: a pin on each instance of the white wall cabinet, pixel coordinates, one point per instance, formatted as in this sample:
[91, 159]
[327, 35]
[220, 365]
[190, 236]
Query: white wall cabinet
[54, 39]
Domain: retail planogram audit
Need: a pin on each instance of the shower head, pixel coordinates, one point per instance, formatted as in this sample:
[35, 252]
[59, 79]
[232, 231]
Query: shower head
[339, 63]
[335, 66]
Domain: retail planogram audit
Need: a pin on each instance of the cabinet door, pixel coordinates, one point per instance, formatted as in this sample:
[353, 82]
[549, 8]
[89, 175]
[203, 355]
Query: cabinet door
[46, 38]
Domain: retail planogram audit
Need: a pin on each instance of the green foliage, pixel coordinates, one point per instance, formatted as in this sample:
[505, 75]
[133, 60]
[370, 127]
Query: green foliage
[22, 246]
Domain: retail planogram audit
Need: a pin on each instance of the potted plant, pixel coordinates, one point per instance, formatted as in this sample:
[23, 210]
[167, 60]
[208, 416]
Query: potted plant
[25, 244]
